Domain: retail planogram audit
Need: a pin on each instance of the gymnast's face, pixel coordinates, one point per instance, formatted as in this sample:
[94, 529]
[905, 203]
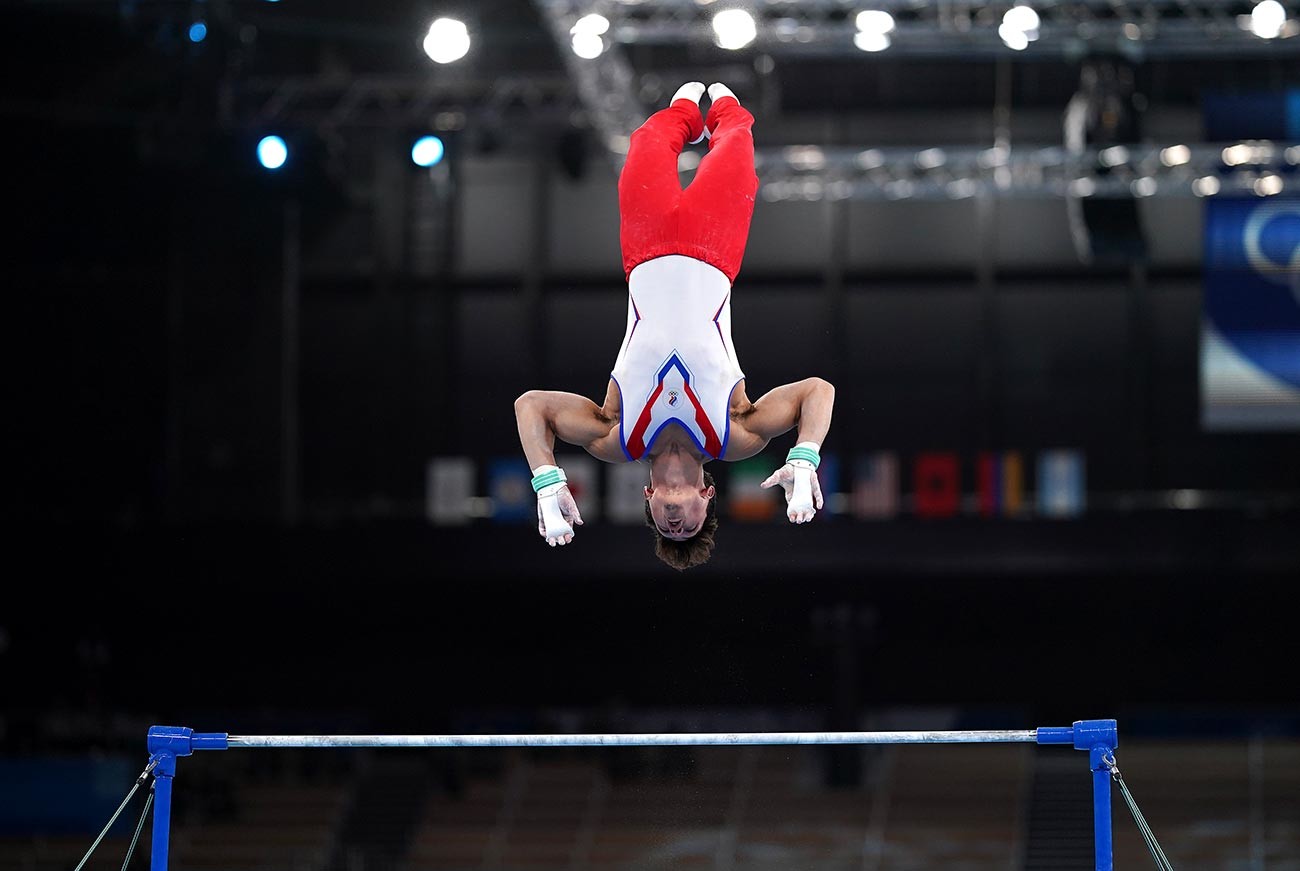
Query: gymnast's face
[677, 495]
[679, 509]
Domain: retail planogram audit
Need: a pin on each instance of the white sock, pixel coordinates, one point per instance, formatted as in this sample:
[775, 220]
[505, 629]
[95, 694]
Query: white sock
[692, 91]
[717, 91]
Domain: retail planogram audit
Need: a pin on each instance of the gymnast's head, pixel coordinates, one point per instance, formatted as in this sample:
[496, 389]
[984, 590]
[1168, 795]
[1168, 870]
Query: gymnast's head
[681, 507]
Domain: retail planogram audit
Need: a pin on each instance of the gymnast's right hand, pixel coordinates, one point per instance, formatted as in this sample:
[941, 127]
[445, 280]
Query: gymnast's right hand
[557, 510]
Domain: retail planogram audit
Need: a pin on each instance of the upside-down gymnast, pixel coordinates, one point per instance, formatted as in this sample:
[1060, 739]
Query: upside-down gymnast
[676, 396]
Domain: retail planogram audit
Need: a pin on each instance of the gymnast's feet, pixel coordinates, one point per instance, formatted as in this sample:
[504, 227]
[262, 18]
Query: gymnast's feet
[717, 91]
[692, 91]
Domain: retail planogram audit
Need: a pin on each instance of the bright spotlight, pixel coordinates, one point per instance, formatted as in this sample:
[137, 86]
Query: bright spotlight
[198, 31]
[734, 29]
[1268, 185]
[447, 41]
[1175, 155]
[593, 23]
[1205, 186]
[1268, 19]
[1022, 18]
[588, 46]
[1144, 187]
[427, 151]
[272, 152]
[875, 21]
[870, 41]
[1012, 37]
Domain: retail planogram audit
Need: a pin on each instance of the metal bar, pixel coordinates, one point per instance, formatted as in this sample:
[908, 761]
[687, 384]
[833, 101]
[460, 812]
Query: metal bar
[162, 818]
[1101, 822]
[698, 739]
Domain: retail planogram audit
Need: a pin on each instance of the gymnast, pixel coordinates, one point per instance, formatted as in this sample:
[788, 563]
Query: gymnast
[676, 396]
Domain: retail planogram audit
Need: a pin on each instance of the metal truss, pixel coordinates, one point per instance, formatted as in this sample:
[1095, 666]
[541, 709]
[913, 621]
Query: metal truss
[609, 89]
[606, 85]
[1178, 170]
[960, 28]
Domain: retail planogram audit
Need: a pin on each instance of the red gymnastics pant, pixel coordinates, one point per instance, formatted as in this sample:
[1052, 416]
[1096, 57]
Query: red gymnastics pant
[709, 220]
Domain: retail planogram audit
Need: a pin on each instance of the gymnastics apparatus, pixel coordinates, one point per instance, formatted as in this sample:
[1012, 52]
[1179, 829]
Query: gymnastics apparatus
[1098, 738]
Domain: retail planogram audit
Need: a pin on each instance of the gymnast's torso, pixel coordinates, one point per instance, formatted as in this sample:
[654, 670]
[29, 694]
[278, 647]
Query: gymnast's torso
[677, 363]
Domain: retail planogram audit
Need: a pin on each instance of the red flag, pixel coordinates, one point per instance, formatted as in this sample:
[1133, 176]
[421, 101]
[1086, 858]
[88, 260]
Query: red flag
[937, 484]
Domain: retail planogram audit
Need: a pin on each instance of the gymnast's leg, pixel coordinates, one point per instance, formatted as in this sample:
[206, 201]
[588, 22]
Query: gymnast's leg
[649, 188]
[719, 203]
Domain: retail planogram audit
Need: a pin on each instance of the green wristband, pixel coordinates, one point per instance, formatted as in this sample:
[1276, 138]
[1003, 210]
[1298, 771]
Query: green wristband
[547, 478]
[801, 453]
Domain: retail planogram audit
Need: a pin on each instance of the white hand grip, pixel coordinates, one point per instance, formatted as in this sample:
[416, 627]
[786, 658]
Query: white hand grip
[801, 498]
[556, 525]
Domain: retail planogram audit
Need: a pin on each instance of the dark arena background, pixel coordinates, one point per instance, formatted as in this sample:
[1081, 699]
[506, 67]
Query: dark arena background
[266, 478]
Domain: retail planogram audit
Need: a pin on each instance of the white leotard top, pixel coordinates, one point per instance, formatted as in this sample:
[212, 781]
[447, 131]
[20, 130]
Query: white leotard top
[677, 362]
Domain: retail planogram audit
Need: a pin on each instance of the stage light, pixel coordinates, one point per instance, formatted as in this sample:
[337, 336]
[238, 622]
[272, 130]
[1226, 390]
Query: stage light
[1206, 186]
[588, 46]
[586, 36]
[875, 21]
[734, 29]
[1268, 185]
[1143, 187]
[874, 27]
[931, 158]
[1083, 187]
[447, 41]
[1019, 27]
[593, 23]
[427, 151]
[1114, 155]
[868, 41]
[198, 31]
[1024, 19]
[1268, 19]
[1012, 37]
[272, 152]
[1175, 155]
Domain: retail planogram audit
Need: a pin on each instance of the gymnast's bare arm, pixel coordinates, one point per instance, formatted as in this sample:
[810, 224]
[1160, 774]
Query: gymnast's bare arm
[805, 404]
[545, 415]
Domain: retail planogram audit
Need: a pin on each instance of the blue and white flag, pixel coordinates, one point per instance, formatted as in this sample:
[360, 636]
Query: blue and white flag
[1250, 326]
[1061, 487]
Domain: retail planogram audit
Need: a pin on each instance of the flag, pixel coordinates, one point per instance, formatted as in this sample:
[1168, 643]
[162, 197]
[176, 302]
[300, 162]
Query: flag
[510, 487]
[1250, 323]
[1060, 483]
[449, 489]
[936, 482]
[625, 496]
[583, 474]
[1001, 483]
[875, 486]
[747, 500]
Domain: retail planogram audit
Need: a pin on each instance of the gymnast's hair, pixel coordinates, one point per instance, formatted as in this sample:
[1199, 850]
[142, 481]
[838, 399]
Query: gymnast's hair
[697, 549]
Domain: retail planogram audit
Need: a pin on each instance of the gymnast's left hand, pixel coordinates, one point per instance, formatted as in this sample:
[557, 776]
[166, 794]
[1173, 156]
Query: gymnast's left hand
[803, 492]
[557, 515]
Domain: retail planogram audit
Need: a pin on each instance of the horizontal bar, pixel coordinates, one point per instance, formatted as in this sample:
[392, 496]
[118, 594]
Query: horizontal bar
[670, 739]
